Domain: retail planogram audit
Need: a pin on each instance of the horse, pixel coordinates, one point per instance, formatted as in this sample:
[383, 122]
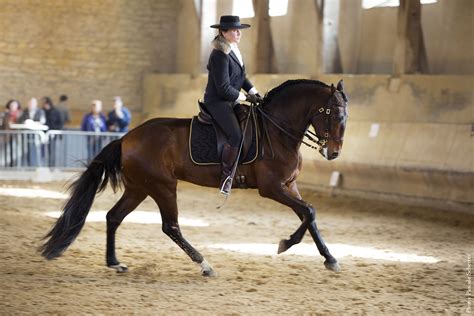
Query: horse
[151, 158]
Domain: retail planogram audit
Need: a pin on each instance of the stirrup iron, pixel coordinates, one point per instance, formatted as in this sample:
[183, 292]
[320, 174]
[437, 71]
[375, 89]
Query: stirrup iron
[229, 181]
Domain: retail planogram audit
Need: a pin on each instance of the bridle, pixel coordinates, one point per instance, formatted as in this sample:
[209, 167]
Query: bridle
[317, 143]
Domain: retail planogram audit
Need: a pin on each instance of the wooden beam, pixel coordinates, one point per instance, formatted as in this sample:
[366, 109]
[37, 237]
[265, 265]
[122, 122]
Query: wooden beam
[188, 26]
[331, 53]
[265, 54]
[319, 5]
[328, 54]
[410, 52]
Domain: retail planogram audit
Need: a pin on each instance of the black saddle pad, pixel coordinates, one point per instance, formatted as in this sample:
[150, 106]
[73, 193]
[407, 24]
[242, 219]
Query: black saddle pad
[203, 145]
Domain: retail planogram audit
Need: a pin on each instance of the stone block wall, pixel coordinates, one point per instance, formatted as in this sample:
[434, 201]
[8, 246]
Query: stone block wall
[86, 49]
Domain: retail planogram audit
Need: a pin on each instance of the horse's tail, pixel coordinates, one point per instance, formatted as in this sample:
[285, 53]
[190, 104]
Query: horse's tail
[105, 166]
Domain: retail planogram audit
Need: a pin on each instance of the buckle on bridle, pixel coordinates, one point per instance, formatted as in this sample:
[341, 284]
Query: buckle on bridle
[322, 142]
[321, 110]
[328, 111]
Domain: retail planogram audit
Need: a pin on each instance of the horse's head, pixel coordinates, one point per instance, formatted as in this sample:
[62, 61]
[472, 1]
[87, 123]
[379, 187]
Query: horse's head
[329, 123]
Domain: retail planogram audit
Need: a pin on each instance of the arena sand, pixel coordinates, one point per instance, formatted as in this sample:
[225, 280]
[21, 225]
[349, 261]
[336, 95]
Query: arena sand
[395, 259]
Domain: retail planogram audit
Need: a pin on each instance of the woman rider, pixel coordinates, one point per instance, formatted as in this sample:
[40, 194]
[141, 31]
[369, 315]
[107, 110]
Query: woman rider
[225, 80]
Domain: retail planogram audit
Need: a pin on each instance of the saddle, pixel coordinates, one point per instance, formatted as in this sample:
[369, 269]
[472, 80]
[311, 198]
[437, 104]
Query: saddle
[207, 139]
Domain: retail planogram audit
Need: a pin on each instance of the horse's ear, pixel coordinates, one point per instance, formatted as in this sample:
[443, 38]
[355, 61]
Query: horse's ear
[340, 86]
[333, 89]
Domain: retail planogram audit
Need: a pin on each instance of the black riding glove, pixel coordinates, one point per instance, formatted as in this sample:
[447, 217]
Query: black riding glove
[259, 97]
[252, 98]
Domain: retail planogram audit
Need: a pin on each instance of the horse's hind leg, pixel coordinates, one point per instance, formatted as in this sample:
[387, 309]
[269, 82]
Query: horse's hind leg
[166, 200]
[127, 203]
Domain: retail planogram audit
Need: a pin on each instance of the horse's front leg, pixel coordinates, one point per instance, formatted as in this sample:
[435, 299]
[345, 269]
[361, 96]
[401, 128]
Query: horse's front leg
[283, 194]
[331, 262]
[289, 195]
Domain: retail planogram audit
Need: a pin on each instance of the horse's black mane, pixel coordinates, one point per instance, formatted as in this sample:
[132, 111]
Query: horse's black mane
[270, 94]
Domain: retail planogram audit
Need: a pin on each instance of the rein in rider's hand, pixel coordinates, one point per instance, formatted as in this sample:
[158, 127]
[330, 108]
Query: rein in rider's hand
[252, 98]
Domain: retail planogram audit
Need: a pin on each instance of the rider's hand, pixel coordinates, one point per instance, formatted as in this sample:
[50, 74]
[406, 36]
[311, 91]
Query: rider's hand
[252, 98]
[259, 97]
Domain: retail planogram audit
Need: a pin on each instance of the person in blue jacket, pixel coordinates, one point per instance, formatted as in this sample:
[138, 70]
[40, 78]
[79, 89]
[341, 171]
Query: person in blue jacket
[225, 80]
[94, 121]
[119, 118]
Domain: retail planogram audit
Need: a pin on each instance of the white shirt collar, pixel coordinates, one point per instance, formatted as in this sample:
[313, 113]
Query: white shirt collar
[237, 53]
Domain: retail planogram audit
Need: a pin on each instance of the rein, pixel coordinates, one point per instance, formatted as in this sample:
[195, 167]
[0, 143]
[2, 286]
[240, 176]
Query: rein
[318, 143]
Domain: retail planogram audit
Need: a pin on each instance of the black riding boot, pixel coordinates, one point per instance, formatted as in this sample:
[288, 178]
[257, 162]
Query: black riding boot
[229, 155]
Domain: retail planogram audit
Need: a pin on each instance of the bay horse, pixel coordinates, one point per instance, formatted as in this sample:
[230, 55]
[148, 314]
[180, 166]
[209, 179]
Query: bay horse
[150, 159]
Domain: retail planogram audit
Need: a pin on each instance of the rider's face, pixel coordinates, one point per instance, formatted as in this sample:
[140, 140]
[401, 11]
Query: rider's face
[232, 35]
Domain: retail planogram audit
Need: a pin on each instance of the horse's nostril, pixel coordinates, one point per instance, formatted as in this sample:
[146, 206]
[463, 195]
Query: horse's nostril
[334, 155]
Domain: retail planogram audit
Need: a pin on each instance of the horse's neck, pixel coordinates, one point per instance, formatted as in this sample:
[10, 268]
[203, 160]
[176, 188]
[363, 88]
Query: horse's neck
[291, 111]
[290, 117]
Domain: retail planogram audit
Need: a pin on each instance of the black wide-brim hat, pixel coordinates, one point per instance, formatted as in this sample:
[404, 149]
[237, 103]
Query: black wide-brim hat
[230, 22]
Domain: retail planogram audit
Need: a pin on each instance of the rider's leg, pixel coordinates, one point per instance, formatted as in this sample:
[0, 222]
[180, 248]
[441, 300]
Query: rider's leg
[224, 116]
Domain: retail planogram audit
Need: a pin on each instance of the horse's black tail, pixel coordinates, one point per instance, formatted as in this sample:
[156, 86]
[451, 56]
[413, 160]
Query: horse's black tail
[106, 165]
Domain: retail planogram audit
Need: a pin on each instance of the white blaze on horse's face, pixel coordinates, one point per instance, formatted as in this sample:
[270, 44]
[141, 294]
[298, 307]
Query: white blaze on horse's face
[324, 152]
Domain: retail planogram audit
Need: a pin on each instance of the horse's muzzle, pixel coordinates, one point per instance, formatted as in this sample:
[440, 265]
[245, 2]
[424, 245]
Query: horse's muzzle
[329, 156]
[334, 155]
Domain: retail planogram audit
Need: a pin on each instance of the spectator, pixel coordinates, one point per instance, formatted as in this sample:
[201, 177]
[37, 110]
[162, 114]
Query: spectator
[12, 113]
[119, 118]
[94, 121]
[63, 108]
[53, 116]
[7, 143]
[33, 113]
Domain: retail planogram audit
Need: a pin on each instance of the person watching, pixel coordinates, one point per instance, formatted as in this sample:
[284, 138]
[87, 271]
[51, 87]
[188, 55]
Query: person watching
[119, 118]
[53, 116]
[94, 121]
[33, 113]
[12, 113]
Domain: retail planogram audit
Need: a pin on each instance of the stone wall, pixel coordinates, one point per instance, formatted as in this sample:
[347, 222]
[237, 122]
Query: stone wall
[86, 49]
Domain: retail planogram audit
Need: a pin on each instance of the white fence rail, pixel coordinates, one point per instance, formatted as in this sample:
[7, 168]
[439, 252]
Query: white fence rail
[53, 149]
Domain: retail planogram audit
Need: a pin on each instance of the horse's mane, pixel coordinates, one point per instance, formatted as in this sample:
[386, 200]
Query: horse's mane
[270, 94]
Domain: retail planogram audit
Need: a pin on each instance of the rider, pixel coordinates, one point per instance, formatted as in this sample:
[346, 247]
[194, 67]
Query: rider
[225, 80]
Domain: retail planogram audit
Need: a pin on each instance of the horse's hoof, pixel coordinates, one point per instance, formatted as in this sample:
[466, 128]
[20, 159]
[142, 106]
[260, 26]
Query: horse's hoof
[120, 268]
[282, 246]
[333, 266]
[207, 270]
[209, 273]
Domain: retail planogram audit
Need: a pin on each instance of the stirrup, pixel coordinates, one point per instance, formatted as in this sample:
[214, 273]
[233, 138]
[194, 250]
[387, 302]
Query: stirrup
[226, 181]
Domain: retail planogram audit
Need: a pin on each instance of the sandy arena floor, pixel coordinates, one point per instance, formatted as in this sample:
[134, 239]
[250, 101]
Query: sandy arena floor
[394, 259]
